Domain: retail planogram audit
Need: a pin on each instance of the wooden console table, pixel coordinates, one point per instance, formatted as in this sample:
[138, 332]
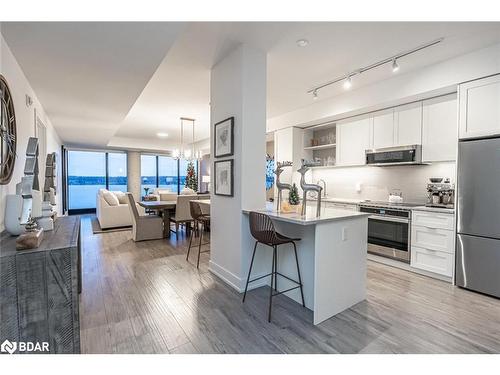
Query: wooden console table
[39, 288]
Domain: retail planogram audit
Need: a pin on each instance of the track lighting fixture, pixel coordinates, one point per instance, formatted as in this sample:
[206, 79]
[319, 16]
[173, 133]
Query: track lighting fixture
[347, 83]
[395, 65]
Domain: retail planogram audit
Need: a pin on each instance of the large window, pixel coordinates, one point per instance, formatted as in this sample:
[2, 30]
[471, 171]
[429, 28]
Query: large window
[86, 175]
[148, 173]
[89, 171]
[183, 164]
[164, 172]
[117, 171]
[167, 173]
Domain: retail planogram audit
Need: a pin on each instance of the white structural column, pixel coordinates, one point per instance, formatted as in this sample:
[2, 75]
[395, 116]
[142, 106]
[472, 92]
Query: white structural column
[238, 88]
[134, 174]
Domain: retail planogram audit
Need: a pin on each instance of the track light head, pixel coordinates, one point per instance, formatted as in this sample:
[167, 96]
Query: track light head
[395, 66]
[315, 94]
[347, 83]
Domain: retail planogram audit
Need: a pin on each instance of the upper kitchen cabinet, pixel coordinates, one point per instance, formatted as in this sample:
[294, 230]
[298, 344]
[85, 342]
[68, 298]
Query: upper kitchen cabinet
[399, 126]
[408, 124]
[480, 107]
[384, 129]
[439, 129]
[353, 139]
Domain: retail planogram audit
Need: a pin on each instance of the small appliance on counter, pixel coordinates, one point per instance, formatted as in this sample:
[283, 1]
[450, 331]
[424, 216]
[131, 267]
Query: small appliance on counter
[440, 193]
[396, 196]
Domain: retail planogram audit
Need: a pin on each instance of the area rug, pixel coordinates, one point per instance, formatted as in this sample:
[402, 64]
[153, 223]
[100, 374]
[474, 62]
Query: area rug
[96, 227]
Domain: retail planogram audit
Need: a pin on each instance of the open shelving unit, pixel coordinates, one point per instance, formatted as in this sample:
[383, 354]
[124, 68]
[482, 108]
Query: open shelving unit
[320, 144]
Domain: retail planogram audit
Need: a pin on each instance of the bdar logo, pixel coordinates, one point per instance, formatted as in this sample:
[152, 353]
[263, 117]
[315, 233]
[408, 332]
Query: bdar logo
[8, 347]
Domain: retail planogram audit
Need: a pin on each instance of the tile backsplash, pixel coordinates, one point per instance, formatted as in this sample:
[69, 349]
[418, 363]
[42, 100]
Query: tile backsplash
[377, 182]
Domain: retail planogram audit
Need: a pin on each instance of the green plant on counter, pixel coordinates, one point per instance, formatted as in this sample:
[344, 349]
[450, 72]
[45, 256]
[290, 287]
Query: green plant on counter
[293, 196]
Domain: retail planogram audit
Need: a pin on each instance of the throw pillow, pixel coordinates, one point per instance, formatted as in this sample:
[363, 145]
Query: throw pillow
[110, 198]
[122, 197]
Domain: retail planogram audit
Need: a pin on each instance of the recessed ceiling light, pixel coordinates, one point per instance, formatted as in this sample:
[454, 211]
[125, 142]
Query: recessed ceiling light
[302, 42]
[162, 135]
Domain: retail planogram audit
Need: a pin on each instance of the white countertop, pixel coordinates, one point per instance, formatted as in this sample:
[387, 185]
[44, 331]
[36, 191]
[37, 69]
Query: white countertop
[310, 218]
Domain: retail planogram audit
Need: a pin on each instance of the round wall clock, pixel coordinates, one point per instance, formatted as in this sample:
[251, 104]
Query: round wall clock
[7, 133]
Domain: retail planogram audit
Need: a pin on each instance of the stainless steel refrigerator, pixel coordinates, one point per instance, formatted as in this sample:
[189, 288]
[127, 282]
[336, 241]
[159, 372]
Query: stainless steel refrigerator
[478, 216]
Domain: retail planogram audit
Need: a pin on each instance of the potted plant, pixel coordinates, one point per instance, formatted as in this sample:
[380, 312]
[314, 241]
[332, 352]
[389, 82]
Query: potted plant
[294, 200]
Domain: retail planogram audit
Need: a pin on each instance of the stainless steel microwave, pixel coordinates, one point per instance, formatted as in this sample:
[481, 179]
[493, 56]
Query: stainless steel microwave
[401, 155]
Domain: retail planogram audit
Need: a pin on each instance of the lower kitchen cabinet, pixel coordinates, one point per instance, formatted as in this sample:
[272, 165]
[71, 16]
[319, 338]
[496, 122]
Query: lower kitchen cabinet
[433, 242]
[439, 262]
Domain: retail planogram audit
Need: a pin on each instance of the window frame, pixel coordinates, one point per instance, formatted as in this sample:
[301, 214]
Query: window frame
[78, 211]
[157, 158]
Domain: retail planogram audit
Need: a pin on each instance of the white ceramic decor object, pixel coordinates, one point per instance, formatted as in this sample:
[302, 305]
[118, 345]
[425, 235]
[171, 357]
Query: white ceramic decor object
[13, 209]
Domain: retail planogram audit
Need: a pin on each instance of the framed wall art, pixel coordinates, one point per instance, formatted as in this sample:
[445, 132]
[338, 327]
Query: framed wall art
[224, 138]
[224, 178]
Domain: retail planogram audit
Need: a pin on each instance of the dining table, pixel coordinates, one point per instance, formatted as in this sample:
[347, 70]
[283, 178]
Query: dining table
[204, 204]
[166, 208]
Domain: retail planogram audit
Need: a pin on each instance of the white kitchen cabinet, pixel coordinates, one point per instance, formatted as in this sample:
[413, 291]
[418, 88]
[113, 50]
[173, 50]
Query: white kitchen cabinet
[433, 219]
[399, 126]
[480, 107]
[439, 129]
[431, 260]
[433, 242]
[383, 129]
[353, 139]
[408, 124]
[342, 206]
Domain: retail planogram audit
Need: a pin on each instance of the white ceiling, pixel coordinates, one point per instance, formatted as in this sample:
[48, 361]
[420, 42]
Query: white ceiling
[88, 75]
[118, 84]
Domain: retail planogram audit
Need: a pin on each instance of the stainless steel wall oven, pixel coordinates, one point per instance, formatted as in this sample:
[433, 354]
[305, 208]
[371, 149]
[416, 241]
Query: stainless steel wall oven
[389, 232]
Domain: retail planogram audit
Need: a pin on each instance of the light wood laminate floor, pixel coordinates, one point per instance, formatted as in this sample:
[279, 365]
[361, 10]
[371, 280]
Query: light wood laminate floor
[145, 298]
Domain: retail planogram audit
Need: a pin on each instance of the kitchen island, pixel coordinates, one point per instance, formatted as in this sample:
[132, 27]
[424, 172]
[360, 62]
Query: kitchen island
[332, 258]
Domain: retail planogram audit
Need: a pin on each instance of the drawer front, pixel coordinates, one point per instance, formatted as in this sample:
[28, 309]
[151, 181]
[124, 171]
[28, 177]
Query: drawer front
[432, 260]
[433, 220]
[432, 238]
[343, 206]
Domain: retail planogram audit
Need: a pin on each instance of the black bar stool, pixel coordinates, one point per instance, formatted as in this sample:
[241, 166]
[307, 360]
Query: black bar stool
[199, 218]
[262, 229]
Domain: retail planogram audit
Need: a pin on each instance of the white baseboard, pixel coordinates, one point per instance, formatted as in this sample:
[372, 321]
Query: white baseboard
[407, 267]
[234, 281]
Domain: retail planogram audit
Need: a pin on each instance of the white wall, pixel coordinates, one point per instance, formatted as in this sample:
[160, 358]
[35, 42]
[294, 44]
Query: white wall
[378, 182]
[25, 118]
[436, 79]
[238, 88]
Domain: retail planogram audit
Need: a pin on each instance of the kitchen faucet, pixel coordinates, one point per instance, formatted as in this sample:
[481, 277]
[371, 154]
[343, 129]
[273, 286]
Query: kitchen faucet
[324, 186]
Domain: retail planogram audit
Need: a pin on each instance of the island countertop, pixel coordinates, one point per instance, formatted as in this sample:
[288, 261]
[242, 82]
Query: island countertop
[310, 218]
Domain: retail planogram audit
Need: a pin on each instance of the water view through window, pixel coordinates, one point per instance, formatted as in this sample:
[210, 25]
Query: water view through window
[87, 174]
[163, 172]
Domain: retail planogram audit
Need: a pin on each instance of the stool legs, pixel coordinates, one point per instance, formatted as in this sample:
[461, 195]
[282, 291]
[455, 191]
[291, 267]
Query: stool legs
[298, 272]
[190, 241]
[276, 268]
[273, 276]
[199, 248]
[250, 271]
